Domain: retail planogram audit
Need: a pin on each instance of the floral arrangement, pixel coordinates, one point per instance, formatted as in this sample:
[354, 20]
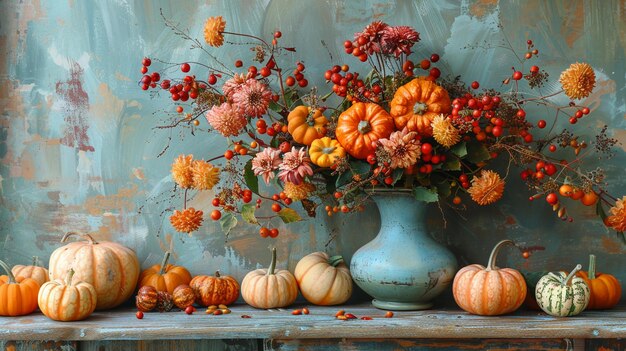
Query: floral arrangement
[395, 124]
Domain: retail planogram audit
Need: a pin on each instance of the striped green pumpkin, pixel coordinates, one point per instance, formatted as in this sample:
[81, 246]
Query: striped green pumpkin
[561, 294]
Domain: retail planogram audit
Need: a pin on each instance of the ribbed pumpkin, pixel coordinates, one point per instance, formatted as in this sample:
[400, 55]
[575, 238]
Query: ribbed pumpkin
[17, 298]
[562, 294]
[606, 290]
[306, 125]
[532, 278]
[325, 151]
[489, 291]
[34, 271]
[111, 268]
[323, 280]
[360, 126]
[183, 296]
[265, 288]
[164, 277]
[417, 103]
[147, 298]
[215, 290]
[64, 301]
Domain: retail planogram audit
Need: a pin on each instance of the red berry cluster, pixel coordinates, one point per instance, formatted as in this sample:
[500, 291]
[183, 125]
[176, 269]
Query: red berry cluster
[298, 76]
[349, 84]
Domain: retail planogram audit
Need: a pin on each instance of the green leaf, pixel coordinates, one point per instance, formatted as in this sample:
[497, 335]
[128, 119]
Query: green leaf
[459, 149]
[443, 189]
[289, 215]
[252, 182]
[247, 213]
[228, 222]
[426, 194]
[452, 164]
[360, 167]
[397, 174]
[477, 152]
[275, 107]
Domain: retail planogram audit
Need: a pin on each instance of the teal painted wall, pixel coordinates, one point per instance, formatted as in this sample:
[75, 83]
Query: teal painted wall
[78, 151]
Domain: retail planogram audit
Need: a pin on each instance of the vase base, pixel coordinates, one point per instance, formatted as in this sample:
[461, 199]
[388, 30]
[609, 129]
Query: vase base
[401, 306]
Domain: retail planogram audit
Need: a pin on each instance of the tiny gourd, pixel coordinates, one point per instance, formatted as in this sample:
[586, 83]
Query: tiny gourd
[34, 271]
[62, 300]
[489, 291]
[183, 296]
[361, 126]
[111, 268]
[267, 288]
[17, 298]
[325, 152]
[147, 298]
[605, 289]
[306, 125]
[562, 294]
[164, 277]
[417, 103]
[215, 290]
[323, 280]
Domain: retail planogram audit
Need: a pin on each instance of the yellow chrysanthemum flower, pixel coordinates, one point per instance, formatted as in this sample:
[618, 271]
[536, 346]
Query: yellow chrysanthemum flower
[298, 192]
[578, 80]
[617, 219]
[187, 220]
[213, 31]
[181, 171]
[204, 175]
[486, 188]
[444, 132]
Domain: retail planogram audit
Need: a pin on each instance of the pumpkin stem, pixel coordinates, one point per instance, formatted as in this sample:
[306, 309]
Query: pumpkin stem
[491, 265]
[272, 267]
[166, 258]
[217, 274]
[84, 236]
[335, 260]
[364, 127]
[592, 267]
[419, 108]
[36, 261]
[69, 276]
[9, 273]
[568, 280]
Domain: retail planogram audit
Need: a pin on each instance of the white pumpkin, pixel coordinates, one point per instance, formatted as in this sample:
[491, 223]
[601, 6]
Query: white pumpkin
[323, 280]
[561, 294]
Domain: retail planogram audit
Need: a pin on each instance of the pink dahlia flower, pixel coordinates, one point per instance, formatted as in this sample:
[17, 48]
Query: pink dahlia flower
[265, 163]
[398, 40]
[403, 148]
[226, 119]
[252, 98]
[296, 165]
[232, 85]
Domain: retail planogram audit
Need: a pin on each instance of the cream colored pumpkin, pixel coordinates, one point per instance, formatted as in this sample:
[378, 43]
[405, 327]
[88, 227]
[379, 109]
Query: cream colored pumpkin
[562, 295]
[265, 288]
[111, 268]
[66, 301]
[34, 271]
[323, 280]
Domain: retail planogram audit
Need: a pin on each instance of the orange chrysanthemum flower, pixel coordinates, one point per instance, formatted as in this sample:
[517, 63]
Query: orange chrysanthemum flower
[213, 31]
[578, 80]
[486, 188]
[298, 192]
[181, 171]
[444, 132]
[617, 219]
[205, 175]
[187, 220]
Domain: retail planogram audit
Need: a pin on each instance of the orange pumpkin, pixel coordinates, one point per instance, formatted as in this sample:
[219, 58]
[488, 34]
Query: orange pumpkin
[305, 125]
[17, 298]
[417, 103]
[35, 271]
[360, 126]
[215, 290]
[111, 268]
[606, 290]
[489, 291]
[323, 280]
[183, 296]
[164, 277]
[265, 288]
[63, 301]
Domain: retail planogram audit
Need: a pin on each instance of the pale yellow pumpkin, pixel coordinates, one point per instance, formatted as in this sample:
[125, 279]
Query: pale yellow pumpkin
[489, 291]
[62, 300]
[34, 271]
[325, 151]
[323, 280]
[265, 288]
[111, 268]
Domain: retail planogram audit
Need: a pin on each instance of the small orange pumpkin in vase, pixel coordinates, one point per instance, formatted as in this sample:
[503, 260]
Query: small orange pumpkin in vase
[306, 125]
[360, 126]
[164, 277]
[606, 290]
[489, 291]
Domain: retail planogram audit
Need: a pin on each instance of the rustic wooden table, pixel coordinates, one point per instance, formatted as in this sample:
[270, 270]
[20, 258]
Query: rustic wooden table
[320, 330]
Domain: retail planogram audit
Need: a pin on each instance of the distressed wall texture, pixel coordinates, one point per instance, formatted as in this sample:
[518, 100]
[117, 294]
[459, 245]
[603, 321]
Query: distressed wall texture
[79, 152]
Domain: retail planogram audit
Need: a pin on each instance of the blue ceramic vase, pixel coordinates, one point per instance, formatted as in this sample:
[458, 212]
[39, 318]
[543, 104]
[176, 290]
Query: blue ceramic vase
[402, 268]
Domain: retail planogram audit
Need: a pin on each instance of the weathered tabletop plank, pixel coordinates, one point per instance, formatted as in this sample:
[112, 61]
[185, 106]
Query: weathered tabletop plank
[281, 324]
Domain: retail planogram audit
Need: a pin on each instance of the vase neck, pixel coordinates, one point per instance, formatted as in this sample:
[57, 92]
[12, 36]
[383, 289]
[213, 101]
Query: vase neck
[401, 208]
